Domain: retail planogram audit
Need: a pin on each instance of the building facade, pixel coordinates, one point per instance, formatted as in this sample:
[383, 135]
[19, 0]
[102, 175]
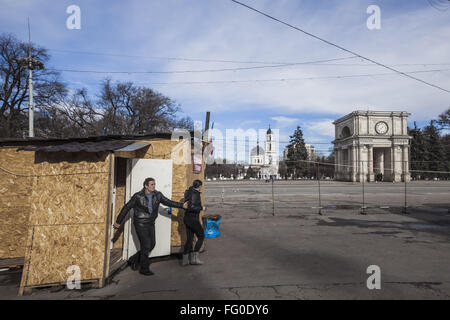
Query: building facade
[311, 152]
[372, 145]
[265, 161]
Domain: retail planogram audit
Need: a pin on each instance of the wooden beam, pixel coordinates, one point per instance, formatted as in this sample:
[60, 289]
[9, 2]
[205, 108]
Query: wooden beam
[208, 114]
[108, 220]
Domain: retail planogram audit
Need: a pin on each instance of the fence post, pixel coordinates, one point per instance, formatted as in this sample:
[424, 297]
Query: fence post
[363, 208]
[318, 181]
[273, 199]
[404, 179]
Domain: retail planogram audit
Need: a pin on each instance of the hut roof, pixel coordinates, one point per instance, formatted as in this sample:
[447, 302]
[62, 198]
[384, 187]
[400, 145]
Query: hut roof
[90, 146]
[55, 141]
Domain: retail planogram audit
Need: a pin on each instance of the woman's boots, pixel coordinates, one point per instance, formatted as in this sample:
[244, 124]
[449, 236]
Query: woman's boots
[185, 260]
[193, 259]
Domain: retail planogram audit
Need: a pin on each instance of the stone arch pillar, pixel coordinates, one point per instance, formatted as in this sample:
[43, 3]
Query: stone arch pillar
[371, 175]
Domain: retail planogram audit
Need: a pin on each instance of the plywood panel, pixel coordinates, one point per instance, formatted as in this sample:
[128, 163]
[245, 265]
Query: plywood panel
[68, 217]
[69, 199]
[55, 248]
[18, 162]
[15, 190]
[13, 231]
[70, 188]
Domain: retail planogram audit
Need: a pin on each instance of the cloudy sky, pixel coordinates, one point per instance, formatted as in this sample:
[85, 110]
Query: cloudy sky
[279, 76]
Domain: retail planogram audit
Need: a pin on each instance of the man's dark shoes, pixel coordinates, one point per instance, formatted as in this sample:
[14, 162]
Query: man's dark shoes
[133, 264]
[146, 272]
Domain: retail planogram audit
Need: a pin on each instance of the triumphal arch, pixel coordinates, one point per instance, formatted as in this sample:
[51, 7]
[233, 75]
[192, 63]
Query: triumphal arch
[371, 146]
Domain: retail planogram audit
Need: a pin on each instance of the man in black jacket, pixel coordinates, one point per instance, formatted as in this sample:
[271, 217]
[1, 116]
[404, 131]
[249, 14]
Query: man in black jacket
[145, 204]
[193, 226]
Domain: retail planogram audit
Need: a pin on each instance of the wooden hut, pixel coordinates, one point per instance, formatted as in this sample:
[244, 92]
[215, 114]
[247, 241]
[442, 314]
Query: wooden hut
[59, 199]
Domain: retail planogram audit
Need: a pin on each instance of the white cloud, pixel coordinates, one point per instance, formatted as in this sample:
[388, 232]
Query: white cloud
[283, 122]
[241, 35]
[249, 123]
[223, 30]
[312, 140]
[323, 127]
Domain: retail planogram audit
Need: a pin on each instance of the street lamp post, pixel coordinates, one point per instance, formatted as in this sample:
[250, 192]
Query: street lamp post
[31, 64]
[30, 100]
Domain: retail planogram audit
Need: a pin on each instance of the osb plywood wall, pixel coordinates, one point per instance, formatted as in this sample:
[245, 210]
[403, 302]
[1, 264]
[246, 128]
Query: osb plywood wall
[56, 213]
[182, 178]
[14, 200]
[67, 222]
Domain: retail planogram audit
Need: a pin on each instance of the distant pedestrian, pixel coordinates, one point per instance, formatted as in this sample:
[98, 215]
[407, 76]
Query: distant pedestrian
[192, 223]
[146, 206]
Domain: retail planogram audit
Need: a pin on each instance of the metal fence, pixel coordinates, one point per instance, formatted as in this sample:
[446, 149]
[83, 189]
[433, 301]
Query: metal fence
[321, 194]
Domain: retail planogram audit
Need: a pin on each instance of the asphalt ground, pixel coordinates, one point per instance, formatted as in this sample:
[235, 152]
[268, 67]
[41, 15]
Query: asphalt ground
[285, 250]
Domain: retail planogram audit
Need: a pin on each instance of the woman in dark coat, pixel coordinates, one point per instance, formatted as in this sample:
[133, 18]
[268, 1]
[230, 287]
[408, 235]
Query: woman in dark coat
[192, 223]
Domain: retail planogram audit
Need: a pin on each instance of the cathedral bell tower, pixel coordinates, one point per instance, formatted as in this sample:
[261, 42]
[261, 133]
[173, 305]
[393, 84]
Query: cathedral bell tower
[270, 148]
[271, 154]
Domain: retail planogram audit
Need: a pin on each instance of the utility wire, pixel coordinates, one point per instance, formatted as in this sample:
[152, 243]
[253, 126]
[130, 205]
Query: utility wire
[49, 175]
[206, 70]
[247, 62]
[177, 59]
[251, 68]
[340, 47]
[278, 79]
[291, 79]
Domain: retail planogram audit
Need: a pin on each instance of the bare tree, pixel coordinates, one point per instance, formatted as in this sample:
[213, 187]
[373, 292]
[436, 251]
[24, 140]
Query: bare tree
[129, 109]
[117, 104]
[82, 114]
[184, 123]
[14, 85]
[120, 108]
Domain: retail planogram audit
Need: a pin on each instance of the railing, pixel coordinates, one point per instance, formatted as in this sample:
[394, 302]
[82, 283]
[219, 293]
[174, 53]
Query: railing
[320, 194]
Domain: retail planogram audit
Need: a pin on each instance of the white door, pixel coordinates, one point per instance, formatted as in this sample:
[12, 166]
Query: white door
[137, 171]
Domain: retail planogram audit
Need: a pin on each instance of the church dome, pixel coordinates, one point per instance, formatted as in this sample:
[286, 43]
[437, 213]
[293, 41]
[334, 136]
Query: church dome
[257, 151]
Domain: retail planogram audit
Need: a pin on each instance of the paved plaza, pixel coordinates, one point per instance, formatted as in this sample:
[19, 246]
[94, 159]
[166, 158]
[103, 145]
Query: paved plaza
[285, 249]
